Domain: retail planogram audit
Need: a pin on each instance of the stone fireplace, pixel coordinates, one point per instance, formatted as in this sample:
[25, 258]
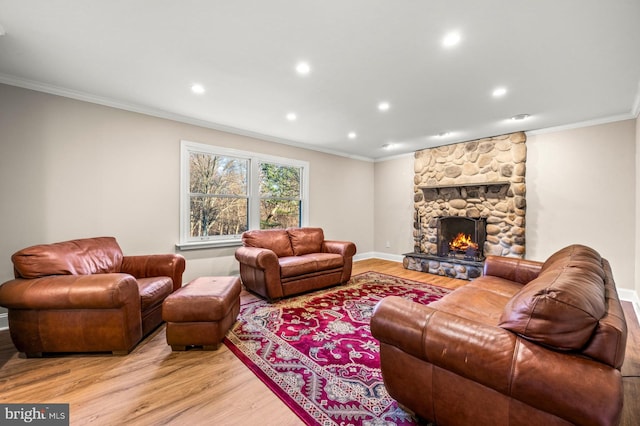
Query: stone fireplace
[476, 189]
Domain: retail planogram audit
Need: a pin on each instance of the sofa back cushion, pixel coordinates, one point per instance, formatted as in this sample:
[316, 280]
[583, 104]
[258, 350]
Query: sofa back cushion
[306, 240]
[276, 240]
[76, 257]
[562, 306]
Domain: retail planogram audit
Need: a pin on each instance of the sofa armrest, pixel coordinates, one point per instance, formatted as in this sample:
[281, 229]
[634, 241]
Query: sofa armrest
[343, 248]
[98, 291]
[256, 257]
[513, 269]
[496, 358]
[473, 350]
[155, 265]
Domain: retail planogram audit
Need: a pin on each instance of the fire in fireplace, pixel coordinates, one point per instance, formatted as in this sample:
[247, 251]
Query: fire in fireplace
[461, 237]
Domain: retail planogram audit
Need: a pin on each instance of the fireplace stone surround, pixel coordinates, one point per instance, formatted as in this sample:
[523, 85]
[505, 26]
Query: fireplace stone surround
[484, 178]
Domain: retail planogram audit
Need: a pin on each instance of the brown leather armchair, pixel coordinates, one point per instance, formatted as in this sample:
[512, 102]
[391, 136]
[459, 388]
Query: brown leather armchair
[528, 343]
[277, 263]
[85, 296]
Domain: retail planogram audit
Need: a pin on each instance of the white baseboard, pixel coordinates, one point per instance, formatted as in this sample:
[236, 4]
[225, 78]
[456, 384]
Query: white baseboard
[631, 296]
[379, 255]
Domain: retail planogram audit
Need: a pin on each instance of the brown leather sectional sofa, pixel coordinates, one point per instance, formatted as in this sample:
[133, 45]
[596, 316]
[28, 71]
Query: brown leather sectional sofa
[85, 296]
[277, 263]
[528, 343]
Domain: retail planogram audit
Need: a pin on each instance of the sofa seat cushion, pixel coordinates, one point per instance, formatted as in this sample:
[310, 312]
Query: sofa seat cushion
[482, 300]
[276, 240]
[153, 291]
[309, 263]
[562, 307]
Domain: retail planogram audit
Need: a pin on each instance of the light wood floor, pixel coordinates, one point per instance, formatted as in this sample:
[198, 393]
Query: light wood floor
[153, 385]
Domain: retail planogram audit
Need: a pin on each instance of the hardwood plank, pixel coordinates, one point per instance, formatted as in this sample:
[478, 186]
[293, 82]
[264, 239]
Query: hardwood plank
[154, 386]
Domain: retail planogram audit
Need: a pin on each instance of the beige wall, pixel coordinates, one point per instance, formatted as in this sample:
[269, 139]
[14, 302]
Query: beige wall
[393, 214]
[637, 183]
[580, 189]
[71, 169]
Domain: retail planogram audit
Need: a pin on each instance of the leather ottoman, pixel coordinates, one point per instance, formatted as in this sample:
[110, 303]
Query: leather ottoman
[201, 312]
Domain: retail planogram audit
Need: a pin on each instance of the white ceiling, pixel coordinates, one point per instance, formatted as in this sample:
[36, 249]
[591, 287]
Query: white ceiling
[562, 62]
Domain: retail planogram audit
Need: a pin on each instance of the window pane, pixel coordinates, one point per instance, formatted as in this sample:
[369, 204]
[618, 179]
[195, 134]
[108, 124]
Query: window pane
[219, 175]
[218, 216]
[279, 213]
[279, 181]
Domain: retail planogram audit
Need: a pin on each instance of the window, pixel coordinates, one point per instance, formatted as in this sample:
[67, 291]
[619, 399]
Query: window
[225, 192]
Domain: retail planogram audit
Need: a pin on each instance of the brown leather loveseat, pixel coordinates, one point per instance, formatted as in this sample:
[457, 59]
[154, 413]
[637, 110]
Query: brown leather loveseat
[528, 343]
[277, 263]
[85, 296]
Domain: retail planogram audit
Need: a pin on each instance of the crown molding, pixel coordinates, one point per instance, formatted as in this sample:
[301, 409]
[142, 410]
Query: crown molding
[578, 125]
[154, 112]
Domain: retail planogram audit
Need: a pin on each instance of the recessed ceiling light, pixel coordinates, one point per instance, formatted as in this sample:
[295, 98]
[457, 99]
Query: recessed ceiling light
[451, 39]
[384, 106]
[303, 68]
[292, 116]
[388, 146]
[443, 134]
[198, 89]
[352, 135]
[499, 91]
[520, 117]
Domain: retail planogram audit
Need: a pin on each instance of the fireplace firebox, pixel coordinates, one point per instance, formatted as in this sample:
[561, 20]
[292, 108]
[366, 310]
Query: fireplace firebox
[461, 237]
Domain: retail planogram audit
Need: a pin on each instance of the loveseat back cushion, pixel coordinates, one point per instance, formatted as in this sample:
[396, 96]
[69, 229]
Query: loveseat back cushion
[306, 240]
[276, 240]
[76, 257]
[561, 308]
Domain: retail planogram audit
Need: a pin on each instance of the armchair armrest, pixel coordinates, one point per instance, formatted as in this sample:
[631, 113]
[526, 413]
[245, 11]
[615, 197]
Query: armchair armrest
[256, 257]
[513, 269]
[98, 291]
[155, 265]
[343, 248]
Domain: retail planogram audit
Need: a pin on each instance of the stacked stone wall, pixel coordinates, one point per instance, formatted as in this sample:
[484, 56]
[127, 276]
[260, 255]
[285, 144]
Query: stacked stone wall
[480, 178]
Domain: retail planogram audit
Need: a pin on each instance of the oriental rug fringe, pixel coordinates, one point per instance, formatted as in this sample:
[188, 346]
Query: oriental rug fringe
[316, 352]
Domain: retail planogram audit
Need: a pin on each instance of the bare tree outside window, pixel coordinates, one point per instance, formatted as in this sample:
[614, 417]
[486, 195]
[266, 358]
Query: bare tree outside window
[218, 195]
[225, 192]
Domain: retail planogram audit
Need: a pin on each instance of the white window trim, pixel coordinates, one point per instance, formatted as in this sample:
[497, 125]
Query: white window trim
[187, 147]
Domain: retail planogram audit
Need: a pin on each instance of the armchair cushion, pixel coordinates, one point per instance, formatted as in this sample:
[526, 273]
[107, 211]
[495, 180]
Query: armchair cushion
[77, 257]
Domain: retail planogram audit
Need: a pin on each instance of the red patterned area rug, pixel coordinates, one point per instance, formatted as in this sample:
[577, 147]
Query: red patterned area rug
[317, 354]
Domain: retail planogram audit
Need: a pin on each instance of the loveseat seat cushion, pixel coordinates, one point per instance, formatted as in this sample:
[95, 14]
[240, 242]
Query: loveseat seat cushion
[306, 240]
[294, 266]
[562, 307]
[276, 240]
[76, 257]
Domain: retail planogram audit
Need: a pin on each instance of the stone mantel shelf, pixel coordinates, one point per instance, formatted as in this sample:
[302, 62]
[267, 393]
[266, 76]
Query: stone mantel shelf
[465, 185]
